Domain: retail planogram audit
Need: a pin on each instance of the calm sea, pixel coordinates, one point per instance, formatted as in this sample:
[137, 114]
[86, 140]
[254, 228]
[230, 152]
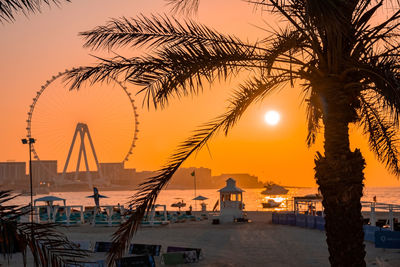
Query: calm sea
[252, 197]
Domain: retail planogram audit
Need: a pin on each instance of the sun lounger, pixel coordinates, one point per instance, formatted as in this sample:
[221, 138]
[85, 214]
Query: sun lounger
[136, 261]
[181, 257]
[143, 249]
[100, 263]
[173, 258]
[154, 223]
[183, 249]
[83, 244]
[102, 246]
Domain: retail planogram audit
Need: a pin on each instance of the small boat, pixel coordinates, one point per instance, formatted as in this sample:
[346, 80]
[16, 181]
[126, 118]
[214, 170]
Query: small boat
[271, 204]
[274, 189]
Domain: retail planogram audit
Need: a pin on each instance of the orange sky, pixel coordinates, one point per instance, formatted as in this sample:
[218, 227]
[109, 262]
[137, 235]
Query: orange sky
[34, 49]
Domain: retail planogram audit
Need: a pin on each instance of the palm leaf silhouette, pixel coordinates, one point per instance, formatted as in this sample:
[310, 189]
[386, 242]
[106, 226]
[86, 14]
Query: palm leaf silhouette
[48, 246]
[9, 8]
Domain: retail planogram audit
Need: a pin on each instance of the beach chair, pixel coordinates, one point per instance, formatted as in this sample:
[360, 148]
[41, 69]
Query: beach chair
[102, 246]
[116, 219]
[173, 258]
[136, 261]
[181, 257]
[84, 244]
[143, 249]
[100, 263]
[63, 220]
[100, 220]
[183, 249]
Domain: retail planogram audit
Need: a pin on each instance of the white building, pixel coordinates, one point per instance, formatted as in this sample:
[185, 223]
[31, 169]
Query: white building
[231, 202]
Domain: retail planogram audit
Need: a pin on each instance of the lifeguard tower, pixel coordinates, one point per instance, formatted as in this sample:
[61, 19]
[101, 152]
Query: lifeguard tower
[231, 202]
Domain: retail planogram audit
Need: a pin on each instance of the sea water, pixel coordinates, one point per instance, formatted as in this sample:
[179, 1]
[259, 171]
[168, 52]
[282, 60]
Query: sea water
[251, 197]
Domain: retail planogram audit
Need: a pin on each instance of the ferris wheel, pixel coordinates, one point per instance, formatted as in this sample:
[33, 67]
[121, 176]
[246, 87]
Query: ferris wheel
[58, 115]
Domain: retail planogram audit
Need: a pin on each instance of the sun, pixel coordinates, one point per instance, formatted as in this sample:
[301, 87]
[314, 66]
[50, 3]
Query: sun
[272, 117]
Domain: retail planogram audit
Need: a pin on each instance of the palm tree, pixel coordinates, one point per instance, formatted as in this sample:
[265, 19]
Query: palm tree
[9, 8]
[345, 61]
[48, 246]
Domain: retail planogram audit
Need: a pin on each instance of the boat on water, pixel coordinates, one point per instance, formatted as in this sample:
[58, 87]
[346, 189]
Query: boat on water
[271, 204]
[274, 189]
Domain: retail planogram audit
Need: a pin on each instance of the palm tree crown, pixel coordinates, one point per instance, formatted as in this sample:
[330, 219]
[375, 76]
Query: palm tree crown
[347, 66]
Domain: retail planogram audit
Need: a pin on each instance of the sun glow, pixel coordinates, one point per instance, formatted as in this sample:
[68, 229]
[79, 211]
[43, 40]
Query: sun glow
[272, 117]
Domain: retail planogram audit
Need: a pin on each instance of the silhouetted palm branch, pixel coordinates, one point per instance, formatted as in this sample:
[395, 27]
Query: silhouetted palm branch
[382, 131]
[184, 6]
[314, 116]
[9, 8]
[156, 31]
[48, 246]
[381, 73]
[190, 55]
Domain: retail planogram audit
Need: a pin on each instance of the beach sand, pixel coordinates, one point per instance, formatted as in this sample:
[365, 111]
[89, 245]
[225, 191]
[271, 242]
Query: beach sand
[258, 243]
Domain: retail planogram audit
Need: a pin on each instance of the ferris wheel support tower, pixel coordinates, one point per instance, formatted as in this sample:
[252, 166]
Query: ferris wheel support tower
[83, 130]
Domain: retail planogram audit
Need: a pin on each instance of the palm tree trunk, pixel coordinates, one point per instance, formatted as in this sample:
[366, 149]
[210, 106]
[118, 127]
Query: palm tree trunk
[339, 175]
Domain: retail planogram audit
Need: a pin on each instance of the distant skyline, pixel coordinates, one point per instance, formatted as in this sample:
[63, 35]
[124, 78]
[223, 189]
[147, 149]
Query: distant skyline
[37, 47]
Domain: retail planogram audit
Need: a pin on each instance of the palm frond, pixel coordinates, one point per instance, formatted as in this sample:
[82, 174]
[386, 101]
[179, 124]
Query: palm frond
[181, 69]
[142, 201]
[382, 75]
[371, 39]
[8, 216]
[155, 31]
[188, 7]
[382, 132]
[314, 116]
[178, 70]
[9, 8]
[48, 246]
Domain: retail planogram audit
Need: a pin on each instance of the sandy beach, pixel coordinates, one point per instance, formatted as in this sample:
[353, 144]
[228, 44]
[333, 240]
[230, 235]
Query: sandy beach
[259, 243]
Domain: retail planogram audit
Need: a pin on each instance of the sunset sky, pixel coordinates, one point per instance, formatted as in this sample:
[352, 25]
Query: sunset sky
[35, 48]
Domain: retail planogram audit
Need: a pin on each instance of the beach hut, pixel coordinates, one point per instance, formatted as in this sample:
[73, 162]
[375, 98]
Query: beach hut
[231, 202]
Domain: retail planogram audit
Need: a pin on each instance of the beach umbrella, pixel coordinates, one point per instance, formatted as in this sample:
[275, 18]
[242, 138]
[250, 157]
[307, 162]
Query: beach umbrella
[200, 198]
[49, 200]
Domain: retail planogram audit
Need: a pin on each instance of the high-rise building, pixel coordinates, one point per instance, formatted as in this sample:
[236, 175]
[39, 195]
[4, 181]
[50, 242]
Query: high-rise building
[112, 172]
[44, 171]
[12, 172]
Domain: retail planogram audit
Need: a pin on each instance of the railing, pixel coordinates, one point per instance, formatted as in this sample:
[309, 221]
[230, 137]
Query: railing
[374, 206]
